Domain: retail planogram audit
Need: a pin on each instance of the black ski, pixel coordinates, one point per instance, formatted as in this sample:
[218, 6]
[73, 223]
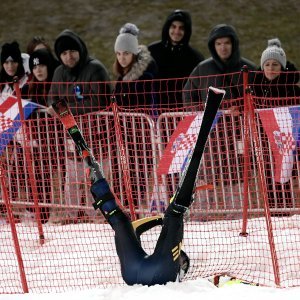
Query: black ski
[184, 191]
[65, 115]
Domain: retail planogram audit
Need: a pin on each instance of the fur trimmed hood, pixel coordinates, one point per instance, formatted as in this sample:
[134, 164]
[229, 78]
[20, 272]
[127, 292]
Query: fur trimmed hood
[144, 60]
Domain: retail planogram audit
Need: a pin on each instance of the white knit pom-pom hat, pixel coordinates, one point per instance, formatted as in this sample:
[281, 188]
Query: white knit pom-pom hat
[273, 51]
[127, 40]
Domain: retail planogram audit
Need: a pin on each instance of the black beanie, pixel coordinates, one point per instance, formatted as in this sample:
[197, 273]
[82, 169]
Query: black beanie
[65, 43]
[12, 51]
[40, 57]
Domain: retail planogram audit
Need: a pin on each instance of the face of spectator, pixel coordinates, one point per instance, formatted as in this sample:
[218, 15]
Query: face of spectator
[124, 58]
[176, 32]
[223, 47]
[70, 58]
[10, 67]
[272, 68]
[40, 72]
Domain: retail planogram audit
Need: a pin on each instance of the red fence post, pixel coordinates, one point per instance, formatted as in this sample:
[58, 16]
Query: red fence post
[28, 163]
[124, 161]
[246, 121]
[13, 230]
[260, 162]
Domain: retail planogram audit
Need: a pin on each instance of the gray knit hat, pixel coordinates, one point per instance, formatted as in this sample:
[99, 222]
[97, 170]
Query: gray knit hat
[127, 39]
[273, 51]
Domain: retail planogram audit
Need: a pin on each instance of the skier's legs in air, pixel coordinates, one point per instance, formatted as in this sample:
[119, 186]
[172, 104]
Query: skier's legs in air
[137, 266]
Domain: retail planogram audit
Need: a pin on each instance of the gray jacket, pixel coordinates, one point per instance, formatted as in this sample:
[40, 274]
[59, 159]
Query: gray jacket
[200, 79]
[86, 86]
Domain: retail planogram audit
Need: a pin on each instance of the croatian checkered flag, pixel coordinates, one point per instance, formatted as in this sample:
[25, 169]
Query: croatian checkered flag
[184, 152]
[282, 126]
[182, 144]
[10, 121]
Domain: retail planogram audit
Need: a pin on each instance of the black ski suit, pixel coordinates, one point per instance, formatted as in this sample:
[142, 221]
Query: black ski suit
[137, 266]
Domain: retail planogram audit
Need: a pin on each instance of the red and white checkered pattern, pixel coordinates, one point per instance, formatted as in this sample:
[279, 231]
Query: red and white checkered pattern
[5, 122]
[188, 142]
[284, 141]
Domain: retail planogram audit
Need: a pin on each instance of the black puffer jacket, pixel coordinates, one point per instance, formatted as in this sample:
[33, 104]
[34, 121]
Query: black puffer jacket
[81, 84]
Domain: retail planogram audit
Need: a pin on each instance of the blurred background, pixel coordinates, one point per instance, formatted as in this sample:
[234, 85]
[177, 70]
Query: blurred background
[98, 22]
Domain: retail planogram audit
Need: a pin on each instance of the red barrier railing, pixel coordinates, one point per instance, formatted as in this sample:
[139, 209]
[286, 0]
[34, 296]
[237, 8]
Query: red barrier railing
[232, 195]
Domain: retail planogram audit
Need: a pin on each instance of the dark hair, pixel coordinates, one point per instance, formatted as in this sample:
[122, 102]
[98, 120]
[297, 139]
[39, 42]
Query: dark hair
[37, 40]
[38, 90]
[44, 57]
[13, 50]
[4, 77]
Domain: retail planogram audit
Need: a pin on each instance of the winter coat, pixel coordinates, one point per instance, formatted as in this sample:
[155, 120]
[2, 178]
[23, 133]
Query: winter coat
[174, 61]
[277, 92]
[136, 88]
[85, 86]
[214, 72]
[195, 89]
[136, 91]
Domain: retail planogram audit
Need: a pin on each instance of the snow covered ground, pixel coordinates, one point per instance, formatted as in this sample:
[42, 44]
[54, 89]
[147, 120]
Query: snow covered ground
[191, 290]
[60, 250]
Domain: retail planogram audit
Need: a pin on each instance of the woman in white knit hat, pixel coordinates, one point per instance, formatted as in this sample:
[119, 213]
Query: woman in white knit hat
[278, 78]
[133, 63]
[273, 59]
[134, 90]
[275, 85]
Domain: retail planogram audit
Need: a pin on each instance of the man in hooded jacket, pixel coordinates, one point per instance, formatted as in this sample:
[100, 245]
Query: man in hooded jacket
[84, 82]
[223, 70]
[221, 65]
[77, 78]
[174, 56]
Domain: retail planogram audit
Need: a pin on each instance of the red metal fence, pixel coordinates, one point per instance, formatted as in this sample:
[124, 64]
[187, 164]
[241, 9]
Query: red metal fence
[247, 194]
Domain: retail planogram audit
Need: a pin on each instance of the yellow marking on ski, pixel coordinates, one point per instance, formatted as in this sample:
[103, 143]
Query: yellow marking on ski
[139, 222]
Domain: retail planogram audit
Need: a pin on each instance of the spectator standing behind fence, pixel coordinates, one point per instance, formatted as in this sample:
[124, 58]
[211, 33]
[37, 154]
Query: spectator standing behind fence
[81, 79]
[223, 70]
[11, 66]
[135, 69]
[175, 57]
[85, 84]
[42, 65]
[223, 45]
[274, 86]
[276, 77]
